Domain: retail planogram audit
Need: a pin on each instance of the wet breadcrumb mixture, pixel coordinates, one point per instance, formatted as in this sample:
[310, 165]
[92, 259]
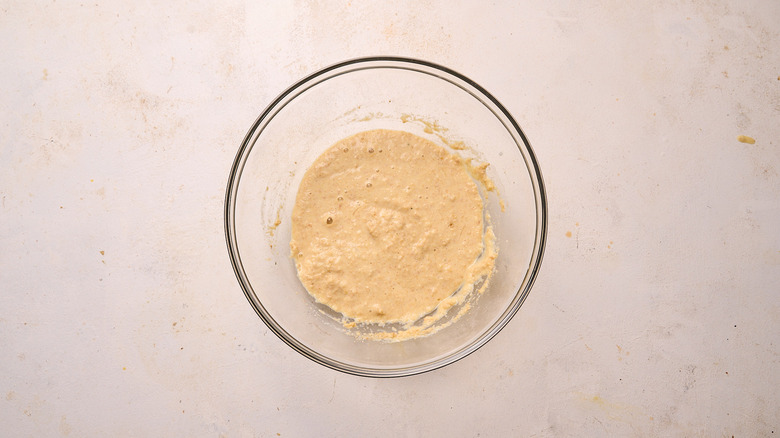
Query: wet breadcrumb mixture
[387, 227]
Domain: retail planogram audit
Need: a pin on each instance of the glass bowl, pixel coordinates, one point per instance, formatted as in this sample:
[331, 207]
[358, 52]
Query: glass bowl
[425, 99]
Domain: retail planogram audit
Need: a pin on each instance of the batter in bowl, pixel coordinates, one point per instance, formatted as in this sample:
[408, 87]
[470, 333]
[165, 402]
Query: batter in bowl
[389, 227]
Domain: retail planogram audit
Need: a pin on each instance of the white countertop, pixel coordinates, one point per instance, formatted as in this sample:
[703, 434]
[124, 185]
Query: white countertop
[657, 310]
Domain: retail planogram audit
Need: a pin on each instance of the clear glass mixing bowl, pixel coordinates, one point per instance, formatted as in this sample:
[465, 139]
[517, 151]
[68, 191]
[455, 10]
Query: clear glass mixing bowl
[357, 95]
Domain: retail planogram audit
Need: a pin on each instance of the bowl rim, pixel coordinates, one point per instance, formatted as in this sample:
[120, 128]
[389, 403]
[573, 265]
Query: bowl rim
[419, 66]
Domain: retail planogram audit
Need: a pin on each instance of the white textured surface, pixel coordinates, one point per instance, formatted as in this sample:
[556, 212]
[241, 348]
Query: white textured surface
[659, 316]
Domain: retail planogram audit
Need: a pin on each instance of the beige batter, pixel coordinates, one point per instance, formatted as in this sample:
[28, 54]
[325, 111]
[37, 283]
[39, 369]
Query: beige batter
[388, 226]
